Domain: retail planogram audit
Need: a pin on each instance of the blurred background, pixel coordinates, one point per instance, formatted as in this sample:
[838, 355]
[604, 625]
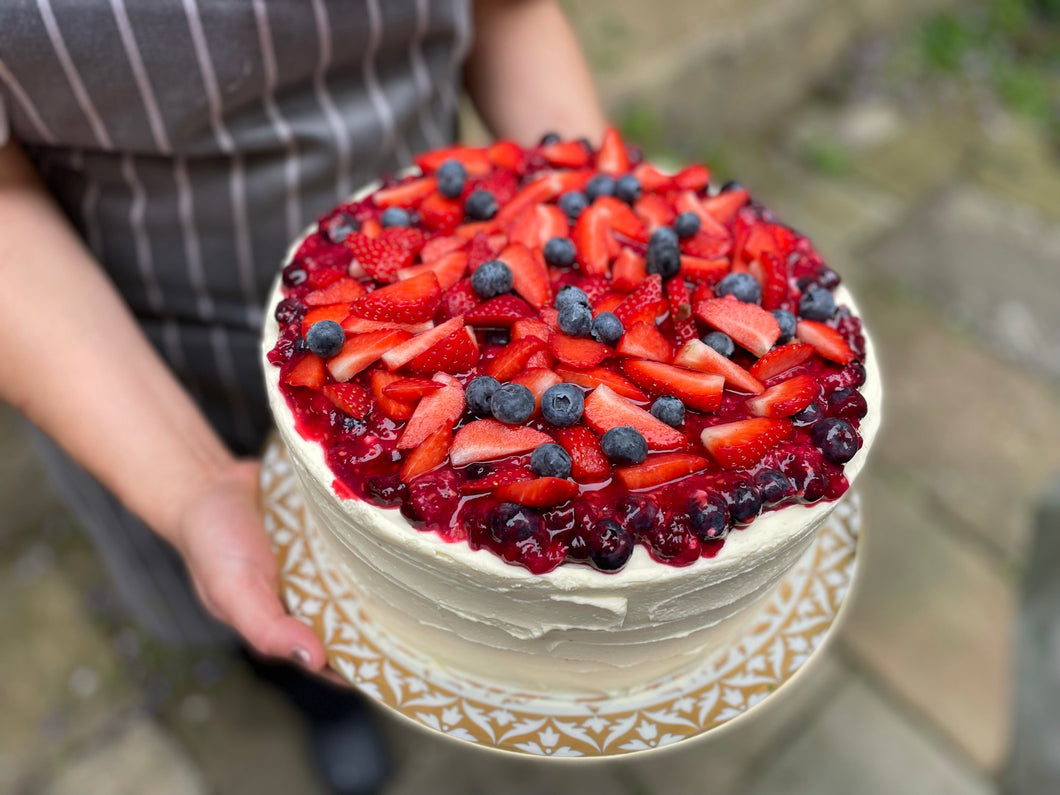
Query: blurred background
[918, 143]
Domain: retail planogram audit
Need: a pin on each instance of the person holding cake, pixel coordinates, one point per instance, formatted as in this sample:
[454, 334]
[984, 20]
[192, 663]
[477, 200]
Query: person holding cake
[155, 162]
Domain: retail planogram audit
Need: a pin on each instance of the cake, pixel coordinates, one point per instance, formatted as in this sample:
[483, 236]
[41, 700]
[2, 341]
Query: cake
[565, 420]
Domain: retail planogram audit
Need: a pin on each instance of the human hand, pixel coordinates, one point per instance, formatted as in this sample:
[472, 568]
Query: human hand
[222, 539]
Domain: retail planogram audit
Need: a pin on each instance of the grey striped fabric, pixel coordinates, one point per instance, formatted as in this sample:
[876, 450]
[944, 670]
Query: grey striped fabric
[190, 140]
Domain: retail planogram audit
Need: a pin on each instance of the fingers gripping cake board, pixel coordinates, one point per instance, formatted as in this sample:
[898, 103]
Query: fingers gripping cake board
[562, 419]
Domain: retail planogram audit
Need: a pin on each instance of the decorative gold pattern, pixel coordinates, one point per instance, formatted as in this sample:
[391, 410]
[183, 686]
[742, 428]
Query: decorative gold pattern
[790, 627]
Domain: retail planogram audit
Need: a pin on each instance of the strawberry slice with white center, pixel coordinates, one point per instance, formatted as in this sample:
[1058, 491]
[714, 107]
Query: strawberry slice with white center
[391, 407]
[407, 351]
[411, 301]
[749, 325]
[538, 493]
[551, 222]
[529, 274]
[351, 398]
[659, 469]
[612, 158]
[430, 454]
[591, 236]
[697, 355]
[644, 341]
[537, 380]
[362, 350]
[474, 160]
[449, 269]
[411, 389]
[457, 353]
[487, 440]
[376, 258]
[406, 194]
[784, 399]
[781, 359]
[361, 325]
[588, 462]
[742, 444]
[828, 342]
[526, 228]
[605, 409]
[594, 376]
[433, 411]
[695, 389]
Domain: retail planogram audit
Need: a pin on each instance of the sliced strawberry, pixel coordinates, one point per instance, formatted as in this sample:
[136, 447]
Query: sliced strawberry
[628, 271]
[438, 247]
[474, 160]
[457, 353]
[591, 234]
[723, 207]
[594, 376]
[549, 317]
[567, 154]
[472, 228]
[449, 269]
[529, 274]
[544, 189]
[409, 390]
[659, 469]
[541, 359]
[460, 299]
[395, 409]
[406, 194]
[748, 324]
[654, 211]
[595, 288]
[538, 493]
[706, 246]
[531, 328]
[537, 380]
[681, 311]
[688, 202]
[341, 291]
[480, 250]
[697, 355]
[772, 276]
[645, 341]
[411, 301]
[406, 238]
[336, 312]
[351, 398]
[704, 271]
[780, 359]
[486, 440]
[784, 399]
[361, 325]
[622, 219]
[508, 155]
[588, 462]
[742, 444]
[495, 478]
[645, 303]
[577, 351]
[433, 411]
[371, 228]
[695, 389]
[430, 454]
[651, 179]
[362, 350]
[758, 240]
[692, 178]
[525, 228]
[309, 371]
[512, 358]
[604, 410]
[551, 222]
[609, 303]
[612, 158]
[379, 260]
[499, 312]
[828, 342]
[441, 214]
[409, 350]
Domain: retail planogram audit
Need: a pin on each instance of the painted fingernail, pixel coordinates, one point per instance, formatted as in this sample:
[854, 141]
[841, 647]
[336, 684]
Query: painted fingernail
[300, 656]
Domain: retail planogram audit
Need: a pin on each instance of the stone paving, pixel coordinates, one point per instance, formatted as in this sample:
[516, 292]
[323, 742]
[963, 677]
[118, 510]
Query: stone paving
[955, 269]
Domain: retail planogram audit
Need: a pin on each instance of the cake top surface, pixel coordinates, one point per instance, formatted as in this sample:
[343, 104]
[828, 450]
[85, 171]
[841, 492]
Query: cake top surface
[560, 353]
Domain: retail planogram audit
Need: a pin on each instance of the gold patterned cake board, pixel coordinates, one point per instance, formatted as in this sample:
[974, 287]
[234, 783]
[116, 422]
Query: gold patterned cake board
[791, 626]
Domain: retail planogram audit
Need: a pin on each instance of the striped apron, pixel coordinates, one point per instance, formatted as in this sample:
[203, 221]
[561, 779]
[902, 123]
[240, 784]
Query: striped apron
[189, 141]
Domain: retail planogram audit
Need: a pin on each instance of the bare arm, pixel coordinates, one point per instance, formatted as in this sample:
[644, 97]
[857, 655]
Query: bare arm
[77, 365]
[526, 73]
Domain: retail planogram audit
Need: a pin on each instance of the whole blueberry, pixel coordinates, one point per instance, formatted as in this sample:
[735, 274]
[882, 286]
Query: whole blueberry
[827, 278]
[491, 278]
[786, 321]
[637, 513]
[512, 404]
[808, 415]
[569, 295]
[573, 203]
[708, 515]
[480, 206]
[294, 275]
[478, 394]
[664, 256]
[550, 138]
[687, 224]
[600, 185]
[325, 338]
[741, 286]
[627, 188]
[576, 320]
[817, 304]
[607, 328]
[451, 178]
[773, 486]
[848, 404]
[511, 523]
[550, 461]
[836, 438]
[609, 545]
[624, 444]
[289, 310]
[731, 185]
[746, 503]
[668, 409]
[560, 251]
[340, 227]
[562, 405]
[395, 216]
[721, 342]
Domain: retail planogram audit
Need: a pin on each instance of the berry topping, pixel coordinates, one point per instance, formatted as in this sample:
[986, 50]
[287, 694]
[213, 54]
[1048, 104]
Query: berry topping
[627, 188]
[569, 295]
[433, 411]
[697, 355]
[491, 278]
[451, 177]
[562, 405]
[573, 204]
[512, 404]
[828, 342]
[544, 492]
[742, 444]
[607, 328]
[325, 338]
[659, 469]
[529, 274]
[848, 404]
[486, 440]
[670, 410]
[773, 486]
[575, 319]
[600, 185]
[410, 301]
[817, 304]
[604, 409]
[395, 216]
[478, 394]
[431, 453]
[745, 503]
[588, 462]
[720, 342]
[698, 390]
[560, 251]
[664, 256]
[837, 439]
[351, 398]
[624, 444]
[781, 359]
[457, 353]
[362, 350]
[511, 523]
[749, 325]
[686, 224]
[609, 545]
[741, 286]
[784, 399]
[708, 515]
[550, 460]
[480, 205]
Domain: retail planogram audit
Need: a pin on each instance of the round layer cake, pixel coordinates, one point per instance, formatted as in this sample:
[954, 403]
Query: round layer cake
[565, 420]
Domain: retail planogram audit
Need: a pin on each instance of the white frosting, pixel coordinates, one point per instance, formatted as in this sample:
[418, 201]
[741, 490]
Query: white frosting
[573, 629]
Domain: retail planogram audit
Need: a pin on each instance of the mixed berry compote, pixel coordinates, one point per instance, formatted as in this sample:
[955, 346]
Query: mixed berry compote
[559, 353]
